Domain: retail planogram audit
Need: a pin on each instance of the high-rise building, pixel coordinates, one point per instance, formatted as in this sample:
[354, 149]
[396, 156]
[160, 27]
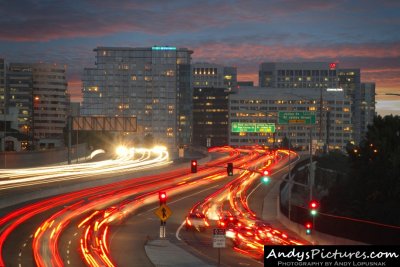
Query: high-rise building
[367, 106]
[151, 83]
[3, 121]
[35, 97]
[20, 95]
[259, 105]
[2, 86]
[320, 75]
[212, 84]
[298, 75]
[50, 104]
[350, 81]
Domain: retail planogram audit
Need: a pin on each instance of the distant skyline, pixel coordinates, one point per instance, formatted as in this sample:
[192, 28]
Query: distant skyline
[361, 33]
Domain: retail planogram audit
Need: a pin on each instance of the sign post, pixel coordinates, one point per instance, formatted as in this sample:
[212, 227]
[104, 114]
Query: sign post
[219, 241]
[163, 212]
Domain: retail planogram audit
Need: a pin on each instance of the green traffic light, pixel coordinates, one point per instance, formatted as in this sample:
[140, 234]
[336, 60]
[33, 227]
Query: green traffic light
[265, 179]
[308, 231]
[313, 212]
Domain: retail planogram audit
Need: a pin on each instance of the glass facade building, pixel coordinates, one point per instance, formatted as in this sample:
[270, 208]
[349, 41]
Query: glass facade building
[151, 83]
[212, 84]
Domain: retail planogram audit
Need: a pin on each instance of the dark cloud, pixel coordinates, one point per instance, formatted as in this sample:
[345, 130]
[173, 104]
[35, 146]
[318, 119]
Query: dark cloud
[241, 33]
[32, 20]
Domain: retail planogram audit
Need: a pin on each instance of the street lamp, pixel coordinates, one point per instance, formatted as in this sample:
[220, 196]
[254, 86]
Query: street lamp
[36, 101]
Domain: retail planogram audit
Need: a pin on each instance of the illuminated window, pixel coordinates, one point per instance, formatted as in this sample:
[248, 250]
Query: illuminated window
[133, 78]
[312, 108]
[92, 88]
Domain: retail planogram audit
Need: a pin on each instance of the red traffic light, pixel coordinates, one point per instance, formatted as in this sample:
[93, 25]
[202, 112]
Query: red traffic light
[265, 172]
[313, 204]
[162, 195]
[193, 166]
[308, 225]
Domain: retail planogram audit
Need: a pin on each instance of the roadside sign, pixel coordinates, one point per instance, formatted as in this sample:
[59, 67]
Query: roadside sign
[163, 212]
[247, 127]
[296, 117]
[219, 238]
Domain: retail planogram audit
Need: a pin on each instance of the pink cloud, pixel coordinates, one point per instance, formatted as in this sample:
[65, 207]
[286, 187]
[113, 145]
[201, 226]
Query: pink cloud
[219, 51]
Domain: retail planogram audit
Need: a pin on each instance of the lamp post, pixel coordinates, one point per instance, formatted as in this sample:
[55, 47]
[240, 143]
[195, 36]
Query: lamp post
[35, 104]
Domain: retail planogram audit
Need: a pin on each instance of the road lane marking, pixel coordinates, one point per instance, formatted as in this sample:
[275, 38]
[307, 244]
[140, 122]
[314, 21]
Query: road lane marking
[260, 183]
[178, 230]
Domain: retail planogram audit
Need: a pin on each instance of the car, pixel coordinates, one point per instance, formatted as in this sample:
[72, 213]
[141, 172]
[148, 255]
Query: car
[228, 222]
[243, 235]
[196, 220]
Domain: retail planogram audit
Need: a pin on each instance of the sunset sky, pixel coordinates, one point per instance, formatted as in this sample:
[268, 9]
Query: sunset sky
[363, 34]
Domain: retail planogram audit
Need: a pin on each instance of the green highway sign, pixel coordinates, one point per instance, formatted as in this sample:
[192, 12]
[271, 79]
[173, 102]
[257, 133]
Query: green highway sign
[247, 127]
[296, 117]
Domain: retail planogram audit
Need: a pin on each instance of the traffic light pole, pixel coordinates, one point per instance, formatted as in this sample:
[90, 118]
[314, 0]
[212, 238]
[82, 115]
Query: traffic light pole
[162, 228]
[69, 120]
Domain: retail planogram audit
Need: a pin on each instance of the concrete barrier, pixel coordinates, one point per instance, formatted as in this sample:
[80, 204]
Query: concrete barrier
[27, 159]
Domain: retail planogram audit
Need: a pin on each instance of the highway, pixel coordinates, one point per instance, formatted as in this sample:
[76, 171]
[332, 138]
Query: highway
[121, 216]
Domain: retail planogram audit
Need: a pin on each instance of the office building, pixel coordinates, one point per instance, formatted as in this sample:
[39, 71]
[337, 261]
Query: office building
[298, 75]
[35, 100]
[320, 75]
[19, 81]
[350, 81]
[367, 106]
[2, 85]
[259, 105]
[150, 83]
[50, 104]
[212, 84]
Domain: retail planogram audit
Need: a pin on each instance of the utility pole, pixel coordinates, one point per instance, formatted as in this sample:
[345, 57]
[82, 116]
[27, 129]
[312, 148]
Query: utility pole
[69, 122]
[320, 114]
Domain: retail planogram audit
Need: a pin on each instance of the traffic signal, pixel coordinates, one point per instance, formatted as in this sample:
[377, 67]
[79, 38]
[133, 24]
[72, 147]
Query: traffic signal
[313, 205]
[229, 169]
[193, 165]
[162, 196]
[308, 226]
[265, 179]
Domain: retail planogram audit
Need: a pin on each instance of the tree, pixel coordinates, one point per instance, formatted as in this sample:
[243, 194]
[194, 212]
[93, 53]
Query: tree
[372, 189]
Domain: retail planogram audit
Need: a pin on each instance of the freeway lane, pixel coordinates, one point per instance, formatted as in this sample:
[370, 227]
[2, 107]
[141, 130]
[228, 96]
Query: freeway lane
[127, 240]
[11, 241]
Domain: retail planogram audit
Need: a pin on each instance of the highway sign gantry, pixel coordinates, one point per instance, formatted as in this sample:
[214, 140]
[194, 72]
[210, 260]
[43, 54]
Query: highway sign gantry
[296, 117]
[163, 212]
